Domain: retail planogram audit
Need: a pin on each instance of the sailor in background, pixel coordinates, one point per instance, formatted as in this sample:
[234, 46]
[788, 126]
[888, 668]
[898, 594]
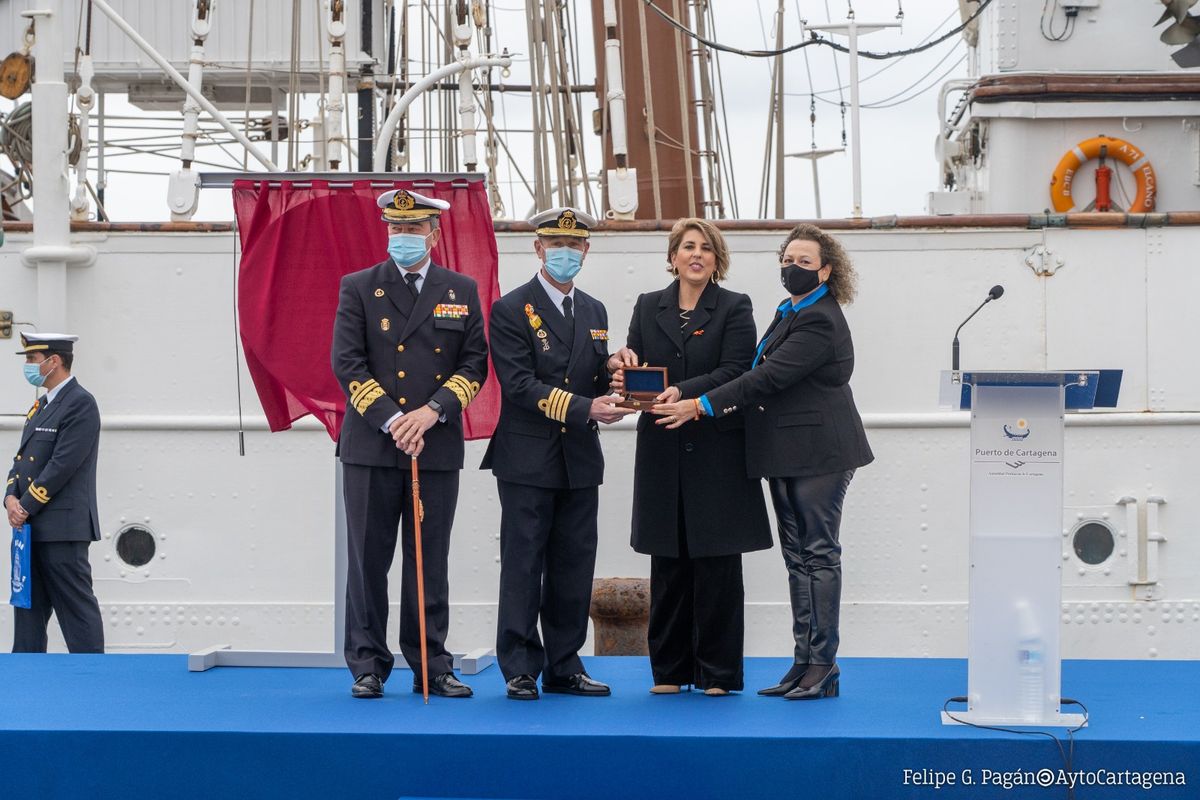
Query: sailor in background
[549, 347]
[410, 354]
[52, 487]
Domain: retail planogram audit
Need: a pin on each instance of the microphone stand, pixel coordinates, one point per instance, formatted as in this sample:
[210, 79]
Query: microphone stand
[956, 377]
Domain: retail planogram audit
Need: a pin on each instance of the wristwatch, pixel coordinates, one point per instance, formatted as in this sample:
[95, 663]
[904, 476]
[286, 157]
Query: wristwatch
[436, 406]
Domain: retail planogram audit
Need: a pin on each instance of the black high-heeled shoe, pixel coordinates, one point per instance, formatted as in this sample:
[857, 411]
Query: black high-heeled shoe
[787, 683]
[828, 686]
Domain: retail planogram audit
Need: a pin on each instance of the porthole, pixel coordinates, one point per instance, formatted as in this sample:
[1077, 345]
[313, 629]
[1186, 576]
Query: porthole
[1093, 542]
[136, 545]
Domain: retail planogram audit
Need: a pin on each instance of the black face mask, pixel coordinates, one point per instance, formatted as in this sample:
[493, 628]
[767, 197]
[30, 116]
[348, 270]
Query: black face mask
[798, 280]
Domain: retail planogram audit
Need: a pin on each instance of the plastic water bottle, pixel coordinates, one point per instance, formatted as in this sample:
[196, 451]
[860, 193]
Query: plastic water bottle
[1031, 661]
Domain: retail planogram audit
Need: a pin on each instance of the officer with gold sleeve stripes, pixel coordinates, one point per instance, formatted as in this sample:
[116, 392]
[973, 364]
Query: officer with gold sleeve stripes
[52, 488]
[410, 354]
[549, 348]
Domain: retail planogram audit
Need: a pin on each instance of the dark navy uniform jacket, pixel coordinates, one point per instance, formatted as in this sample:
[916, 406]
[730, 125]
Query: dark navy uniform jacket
[548, 380]
[800, 415]
[393, 353]
[54, 472]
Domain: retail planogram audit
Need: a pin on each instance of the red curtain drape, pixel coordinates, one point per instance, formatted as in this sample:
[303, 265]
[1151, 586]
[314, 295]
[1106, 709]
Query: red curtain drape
[297, 243]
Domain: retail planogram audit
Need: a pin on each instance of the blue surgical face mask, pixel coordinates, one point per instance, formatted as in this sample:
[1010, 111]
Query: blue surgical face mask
[563, 263]
[407, 249]
[33, 373]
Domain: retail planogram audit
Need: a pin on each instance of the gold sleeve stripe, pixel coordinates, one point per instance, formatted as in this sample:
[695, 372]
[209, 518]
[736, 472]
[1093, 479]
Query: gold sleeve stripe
[463, 399]
[360, 390]
[561, 406]
[555, 406]
[362, 405]
[362, 395]
[39, 493]
[11, 481]
[463, 389]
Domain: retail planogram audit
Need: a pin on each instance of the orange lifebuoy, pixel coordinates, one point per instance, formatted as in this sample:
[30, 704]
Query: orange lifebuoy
[1121, 150]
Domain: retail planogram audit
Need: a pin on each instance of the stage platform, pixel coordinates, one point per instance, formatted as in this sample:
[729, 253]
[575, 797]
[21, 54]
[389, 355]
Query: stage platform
[142, 726]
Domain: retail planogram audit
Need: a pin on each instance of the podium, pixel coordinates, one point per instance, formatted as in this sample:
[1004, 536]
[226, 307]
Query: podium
[1016, 522]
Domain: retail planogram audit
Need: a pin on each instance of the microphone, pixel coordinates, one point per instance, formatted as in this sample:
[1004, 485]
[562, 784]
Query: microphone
[995, 293]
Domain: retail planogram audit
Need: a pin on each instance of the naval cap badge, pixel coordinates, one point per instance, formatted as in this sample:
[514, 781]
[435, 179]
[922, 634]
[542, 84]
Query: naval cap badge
[403, 200]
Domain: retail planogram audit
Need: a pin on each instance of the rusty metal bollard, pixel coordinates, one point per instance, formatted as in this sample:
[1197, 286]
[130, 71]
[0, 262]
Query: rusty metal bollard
[620, 612]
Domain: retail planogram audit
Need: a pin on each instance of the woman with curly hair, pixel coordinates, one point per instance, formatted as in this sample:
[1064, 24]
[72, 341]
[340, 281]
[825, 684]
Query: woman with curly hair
[805, 436]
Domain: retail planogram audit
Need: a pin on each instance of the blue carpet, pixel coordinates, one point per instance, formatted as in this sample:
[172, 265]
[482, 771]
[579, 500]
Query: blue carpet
[121, 726]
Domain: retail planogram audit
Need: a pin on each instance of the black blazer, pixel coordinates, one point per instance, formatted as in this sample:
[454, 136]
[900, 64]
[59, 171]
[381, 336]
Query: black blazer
[391, 353]
[702, 463]
[800, 415]
[54, 472]
[548, 379]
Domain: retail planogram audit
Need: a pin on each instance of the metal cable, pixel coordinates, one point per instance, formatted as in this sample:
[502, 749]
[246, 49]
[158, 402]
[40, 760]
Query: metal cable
[815, 40]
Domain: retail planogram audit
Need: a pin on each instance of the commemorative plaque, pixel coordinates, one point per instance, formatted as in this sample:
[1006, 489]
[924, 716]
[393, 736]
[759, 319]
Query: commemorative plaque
[642, 385]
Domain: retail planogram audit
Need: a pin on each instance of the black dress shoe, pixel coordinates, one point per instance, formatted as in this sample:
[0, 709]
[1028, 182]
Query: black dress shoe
[788, 682]
[522, 687]
[826, 686]
[367, 687]
[444, 685]
[579, 684]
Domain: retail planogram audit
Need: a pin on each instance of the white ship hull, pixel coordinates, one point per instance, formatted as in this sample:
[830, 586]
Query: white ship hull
[244, 546]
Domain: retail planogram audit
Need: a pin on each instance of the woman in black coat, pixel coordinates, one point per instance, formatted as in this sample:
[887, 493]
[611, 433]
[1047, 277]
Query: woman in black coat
[804, 434]
[694, 510]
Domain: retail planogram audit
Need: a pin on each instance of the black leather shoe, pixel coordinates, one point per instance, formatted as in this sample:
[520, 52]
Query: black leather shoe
[367, 687]
[579, 684]
[522, 687]
[444, 685]
[788, 682]
[827, 686]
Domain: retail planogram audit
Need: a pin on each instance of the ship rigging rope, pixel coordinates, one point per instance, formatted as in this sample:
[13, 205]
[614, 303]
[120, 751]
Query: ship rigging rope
[815, 40]
[685, 127]
[16, 143]
[249, 66]
[884, 103]
[651, 128]
[843, 86]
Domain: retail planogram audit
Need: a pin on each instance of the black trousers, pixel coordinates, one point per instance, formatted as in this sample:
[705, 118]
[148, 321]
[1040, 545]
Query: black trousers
[547, 560]
[809, 512]
[378, 499]
[697, 619]
[61, 582]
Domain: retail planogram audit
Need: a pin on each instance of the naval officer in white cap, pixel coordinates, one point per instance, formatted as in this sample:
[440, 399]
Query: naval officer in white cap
[410, 354]
[549, 347]
[52, 487]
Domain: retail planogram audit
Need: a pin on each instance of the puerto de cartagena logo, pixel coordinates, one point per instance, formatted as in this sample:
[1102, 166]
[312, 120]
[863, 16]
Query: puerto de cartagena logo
[1019, 431]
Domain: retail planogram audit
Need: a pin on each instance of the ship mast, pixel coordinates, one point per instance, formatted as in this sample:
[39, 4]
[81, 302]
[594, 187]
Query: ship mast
[661, 107]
